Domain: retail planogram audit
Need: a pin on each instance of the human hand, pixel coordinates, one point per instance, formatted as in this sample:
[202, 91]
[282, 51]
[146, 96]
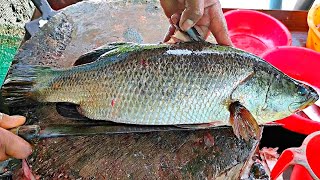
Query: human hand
[205, 15]
[12, 145]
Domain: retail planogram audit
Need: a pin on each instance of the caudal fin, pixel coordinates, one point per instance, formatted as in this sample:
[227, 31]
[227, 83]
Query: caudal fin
[18, 86]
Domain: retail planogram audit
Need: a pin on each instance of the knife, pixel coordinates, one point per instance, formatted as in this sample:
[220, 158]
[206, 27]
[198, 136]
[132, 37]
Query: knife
[192, 33]
[47, 12]
[31, 132]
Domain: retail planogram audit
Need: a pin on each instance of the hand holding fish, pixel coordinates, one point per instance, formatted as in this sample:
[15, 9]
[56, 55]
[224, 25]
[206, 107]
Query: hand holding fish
[10, 144]
[205, 15]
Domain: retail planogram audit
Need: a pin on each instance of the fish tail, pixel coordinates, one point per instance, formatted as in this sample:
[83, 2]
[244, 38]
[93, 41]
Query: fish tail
[20, 82]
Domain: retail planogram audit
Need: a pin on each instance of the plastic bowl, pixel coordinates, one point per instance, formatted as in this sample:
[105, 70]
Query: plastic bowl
[302, 64]
[297, 62]
[313, 40]
[256, 32]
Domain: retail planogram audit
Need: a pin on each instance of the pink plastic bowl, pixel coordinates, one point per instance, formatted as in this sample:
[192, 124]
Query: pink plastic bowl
[297, 62]
[256, 32]
[302, 64]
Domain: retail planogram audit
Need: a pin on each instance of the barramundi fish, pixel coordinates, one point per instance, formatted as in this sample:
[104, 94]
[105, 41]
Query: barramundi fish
[190, 83]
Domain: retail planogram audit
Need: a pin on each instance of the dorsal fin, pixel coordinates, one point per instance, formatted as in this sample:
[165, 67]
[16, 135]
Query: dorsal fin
[96, 53]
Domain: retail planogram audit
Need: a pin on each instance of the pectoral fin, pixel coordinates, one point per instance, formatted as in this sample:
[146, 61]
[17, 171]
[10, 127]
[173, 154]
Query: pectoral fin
[242, 121]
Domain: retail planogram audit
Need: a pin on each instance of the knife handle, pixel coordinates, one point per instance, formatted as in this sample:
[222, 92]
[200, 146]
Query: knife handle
[44, 7]
[27, 132]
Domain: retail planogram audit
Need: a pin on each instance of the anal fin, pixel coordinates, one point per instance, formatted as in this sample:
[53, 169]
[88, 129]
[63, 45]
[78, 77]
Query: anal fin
[243, 123]
[200, 126]
[73, 112]
[69, 110]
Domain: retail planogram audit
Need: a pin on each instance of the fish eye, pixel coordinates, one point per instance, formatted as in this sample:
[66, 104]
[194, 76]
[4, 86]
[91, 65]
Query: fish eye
[302, 91]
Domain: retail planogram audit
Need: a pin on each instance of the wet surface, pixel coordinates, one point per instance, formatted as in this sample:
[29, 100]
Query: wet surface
[198, 154]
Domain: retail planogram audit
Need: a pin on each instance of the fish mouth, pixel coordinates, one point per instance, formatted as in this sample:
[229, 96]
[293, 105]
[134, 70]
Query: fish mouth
[311, 98]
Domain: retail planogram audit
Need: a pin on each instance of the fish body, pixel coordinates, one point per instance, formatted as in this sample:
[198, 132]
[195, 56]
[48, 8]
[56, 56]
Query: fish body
[161, 86]
[185, 83]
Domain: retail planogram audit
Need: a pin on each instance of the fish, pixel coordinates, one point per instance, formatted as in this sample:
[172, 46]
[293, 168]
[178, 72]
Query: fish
[188, 84]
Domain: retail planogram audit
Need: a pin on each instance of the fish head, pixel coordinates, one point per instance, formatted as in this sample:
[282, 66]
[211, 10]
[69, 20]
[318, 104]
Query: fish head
[304, 96]
[272, 96]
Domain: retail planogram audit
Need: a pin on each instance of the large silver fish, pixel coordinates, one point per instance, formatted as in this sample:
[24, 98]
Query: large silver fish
[181, 84]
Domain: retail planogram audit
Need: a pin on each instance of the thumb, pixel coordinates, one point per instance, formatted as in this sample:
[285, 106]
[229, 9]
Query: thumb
[8, 122]
[191, 15]
[10, 144]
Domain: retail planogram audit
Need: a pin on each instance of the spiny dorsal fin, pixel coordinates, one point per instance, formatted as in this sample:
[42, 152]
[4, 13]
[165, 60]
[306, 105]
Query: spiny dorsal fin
[242, 121]
[96, 53]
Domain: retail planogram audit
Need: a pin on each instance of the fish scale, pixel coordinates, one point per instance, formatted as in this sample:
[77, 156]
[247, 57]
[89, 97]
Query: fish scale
[185, 83]
[162, 111]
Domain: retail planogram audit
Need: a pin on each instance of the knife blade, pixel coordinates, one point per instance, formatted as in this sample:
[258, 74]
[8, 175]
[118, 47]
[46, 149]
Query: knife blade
[47, 12]
[194, 34]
